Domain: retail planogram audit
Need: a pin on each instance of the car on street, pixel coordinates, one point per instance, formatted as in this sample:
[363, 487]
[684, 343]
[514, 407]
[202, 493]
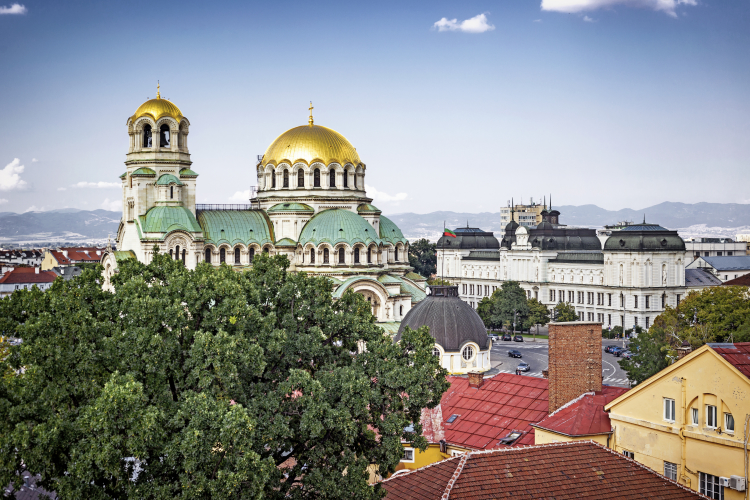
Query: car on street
[626, 354]
[618, 352]
[518, 338]
[494, 337]
[609, 348]
[515, 354]
[507, 337]
[524, 366]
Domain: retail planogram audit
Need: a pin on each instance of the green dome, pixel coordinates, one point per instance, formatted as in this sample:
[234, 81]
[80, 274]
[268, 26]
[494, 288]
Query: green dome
[167, 219]
[144, 171]
[236, 226]
[390, 232]
[336, 225]
[167, 179]
[290, 207]
[367, 208]
[186, 172]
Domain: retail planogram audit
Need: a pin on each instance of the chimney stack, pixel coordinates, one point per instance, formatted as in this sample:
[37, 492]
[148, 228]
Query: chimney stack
[36, 270]
[575, 361]
[476, 379]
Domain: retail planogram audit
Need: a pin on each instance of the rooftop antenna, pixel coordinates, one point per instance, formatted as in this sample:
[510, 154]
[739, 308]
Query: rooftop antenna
[644, 218]
[310, 121]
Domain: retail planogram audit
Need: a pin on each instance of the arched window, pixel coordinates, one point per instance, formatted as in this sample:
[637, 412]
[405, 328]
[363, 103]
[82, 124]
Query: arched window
[346, 179]
[356, 255]
[273, 179]
[164, 136]
[369, 255]
[312, 256]
[222, 256]
[355, 180]
[400, 310]
[171, 192]
[467, 353]
[236, 255]
[177, 253]
[435, 351]
[170, 254]
[252, 254]
[325, 256]
[300, 178]
[395, 254]
[208, 255]
[147, 136]
[332, 178]
[316, 178]
[341, 256]
[286, 178]
[265, 250]
[183, 255]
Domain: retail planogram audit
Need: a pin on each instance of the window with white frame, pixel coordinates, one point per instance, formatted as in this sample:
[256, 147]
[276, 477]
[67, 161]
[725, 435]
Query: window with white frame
[628, 454]
[670, 471]
[456, 453]
[669, 409]
[729, 423]
[709, 486]
[694, 413]
[468, 353]
[408, 455]
[711, 416]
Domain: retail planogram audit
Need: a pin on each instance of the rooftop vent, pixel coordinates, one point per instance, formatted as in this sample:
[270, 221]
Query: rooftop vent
[510, 438]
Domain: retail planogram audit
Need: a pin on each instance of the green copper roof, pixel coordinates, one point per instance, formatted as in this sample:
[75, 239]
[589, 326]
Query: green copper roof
[123, 255]
[290, 207]
[414, 276]
[387, 278]
[336, 225]
[124, 175]
[167, 219]
[391, 327]
[346, 284]
[286, 242]
[390, 231]
[366, 207]
[236, 226]
[335, 281]
[417, 294]
[144, 171]
[186, 172]
[168, 179]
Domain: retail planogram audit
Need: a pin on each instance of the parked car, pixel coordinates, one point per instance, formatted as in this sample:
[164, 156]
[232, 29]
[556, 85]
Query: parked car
[626, 354]
[524, 366]
[518, 338]
[493, 337]
[507, 337]
[609, 348]
[515, 354]
[618, 352]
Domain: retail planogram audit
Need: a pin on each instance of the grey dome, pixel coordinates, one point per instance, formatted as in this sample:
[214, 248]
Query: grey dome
[452, 321]
[469, 238]
[644, 238]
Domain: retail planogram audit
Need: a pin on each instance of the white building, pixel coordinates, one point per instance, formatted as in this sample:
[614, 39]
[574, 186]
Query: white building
[723, 267]
[714, 247]
[627, 281]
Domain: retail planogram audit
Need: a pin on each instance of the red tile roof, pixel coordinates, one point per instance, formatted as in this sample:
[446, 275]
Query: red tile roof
[738, 354]
[584, 416]
[27, 275]
[503, 404]
[573, 470]
[76, 254]
[743, 280]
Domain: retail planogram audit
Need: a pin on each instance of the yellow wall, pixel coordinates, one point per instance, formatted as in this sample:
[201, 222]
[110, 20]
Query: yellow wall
[699, 379]
[429, 456]
[48, 262]
[542, 436]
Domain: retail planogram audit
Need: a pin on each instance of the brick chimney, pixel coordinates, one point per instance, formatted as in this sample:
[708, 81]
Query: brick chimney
[575, 361]
[476, 379]
[684, 349]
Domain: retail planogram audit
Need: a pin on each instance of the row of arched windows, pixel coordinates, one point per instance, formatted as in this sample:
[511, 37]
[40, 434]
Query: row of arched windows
[175, 254]
[223, 255]
[316, 179]
[164, 136]
[341, 256]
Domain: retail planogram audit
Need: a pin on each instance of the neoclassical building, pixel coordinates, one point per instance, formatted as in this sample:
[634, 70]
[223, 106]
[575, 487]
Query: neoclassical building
[628, 280]
[310, 205]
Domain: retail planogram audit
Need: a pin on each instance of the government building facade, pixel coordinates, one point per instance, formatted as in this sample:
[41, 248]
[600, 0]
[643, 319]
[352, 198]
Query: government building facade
[310, 205]
[627, 280]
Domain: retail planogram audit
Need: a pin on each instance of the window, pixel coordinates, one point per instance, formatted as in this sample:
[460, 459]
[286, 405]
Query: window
[170, 254]
[635, 297]
[312, 256]
[236, 255]
[711, 416]
[208, 255]
[467, 353]
[346, 179]
[670, 471]
[286, 178]
[451, 419]
[369, 256]
[647, 297]
[551, 295]
[177, 253]
[728, 423]
[400, 310]
[300, 178]
[147, 136]
[663, 300]
[730, 252]
[709, 486]
[332, 178]
[325, 256]
[464, 289]
[628, 454]
[694, 416]
[610, 298]
[341, 256]
[356, 255]
[164, 136]
[171, 192]
[648, 321]
[635, 321]
[705, 254]
[718, 254]
[609, 319]
[222, 256]
[252, 255]
[355, 180]
[408, 455]
[316, 178]
[471, 289]
[678, 299]
[183, 255]
[669, 410]
[395, 254]
[435, 350]
[273, 179]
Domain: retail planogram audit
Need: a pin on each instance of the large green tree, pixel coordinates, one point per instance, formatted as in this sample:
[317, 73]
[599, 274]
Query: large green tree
[207, 384]
[423, 257]
[651, 353]
[538, 313]
[484, 310]
[564, 311]
[509, 303]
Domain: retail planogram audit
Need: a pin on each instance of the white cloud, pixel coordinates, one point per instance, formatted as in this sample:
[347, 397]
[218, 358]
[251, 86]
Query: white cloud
[9, 176]
[3, 200]
[537, 20]
[241, 196]
[477, 24]
[96, 185]
[574, 6]
[588, 19]
[62, 189]
[34, 160]
[385, 197]
[15, 8]
[114, 205]
[34, 208]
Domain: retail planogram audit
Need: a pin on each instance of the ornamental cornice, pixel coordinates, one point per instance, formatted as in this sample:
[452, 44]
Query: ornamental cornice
[142, 162]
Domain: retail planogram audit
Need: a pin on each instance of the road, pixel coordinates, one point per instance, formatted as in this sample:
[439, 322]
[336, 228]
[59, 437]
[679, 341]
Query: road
[536, 355]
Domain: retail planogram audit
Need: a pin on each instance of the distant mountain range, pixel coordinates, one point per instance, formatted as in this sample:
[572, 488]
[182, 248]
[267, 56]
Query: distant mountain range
[699, 219]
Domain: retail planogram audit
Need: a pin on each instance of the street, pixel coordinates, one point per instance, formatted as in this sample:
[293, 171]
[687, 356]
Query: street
[535, 354]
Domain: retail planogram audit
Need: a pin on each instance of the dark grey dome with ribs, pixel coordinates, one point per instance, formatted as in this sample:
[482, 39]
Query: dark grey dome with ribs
[452, 321]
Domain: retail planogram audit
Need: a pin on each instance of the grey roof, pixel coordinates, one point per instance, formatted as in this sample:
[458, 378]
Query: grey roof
[700, 277]
[582, 256]
[644, 227]
[470, 238]
[452, 322]
[483, 255]
[68, 272]
[644, 238]
[728, 262]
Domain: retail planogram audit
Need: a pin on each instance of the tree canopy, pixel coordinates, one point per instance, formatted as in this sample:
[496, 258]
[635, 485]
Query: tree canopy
[538, 313]
[564, 311]
[207, 384]
[509, 303]
[423, 257]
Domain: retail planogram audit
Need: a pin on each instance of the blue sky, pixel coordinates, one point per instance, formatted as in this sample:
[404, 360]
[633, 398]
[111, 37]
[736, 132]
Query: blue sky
[621, 103]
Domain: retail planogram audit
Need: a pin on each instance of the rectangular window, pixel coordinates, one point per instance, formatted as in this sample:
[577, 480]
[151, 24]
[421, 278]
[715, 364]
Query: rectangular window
[718, 254]
[609, 319]
[678, 299]
[663, 300]
[551, 295]
[647, 301]
[471, 289]
[694, 413]
[610, 299]
[728, 423]
[408, 455]
[669, 409]
[464, 288]
[636, 301]
[711, 416]
[730, 252]
[648, 320]
[709, 486]
[635, 321]
[670, 471]
[628, 454]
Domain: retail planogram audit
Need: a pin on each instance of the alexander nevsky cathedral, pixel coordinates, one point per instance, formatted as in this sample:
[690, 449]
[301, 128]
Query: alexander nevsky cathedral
[310, 205]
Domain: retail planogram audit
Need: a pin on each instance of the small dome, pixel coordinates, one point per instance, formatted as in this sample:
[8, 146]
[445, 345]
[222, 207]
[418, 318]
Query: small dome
[290, 207]
[167, 179]
[452, 321]
[334, 226]
[511, 225]
[310, 143]
[390, 232]
[156, 108]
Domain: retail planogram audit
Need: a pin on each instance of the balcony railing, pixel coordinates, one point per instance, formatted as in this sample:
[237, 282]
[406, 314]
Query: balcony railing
[214, 207]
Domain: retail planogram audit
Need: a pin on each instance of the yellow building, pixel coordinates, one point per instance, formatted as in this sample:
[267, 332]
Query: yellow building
[689, 420]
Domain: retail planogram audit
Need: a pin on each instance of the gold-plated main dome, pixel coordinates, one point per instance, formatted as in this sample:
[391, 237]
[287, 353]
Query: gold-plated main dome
[156, 108]
[311, 143]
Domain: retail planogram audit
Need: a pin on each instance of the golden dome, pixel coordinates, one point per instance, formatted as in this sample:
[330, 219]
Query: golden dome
[156, 108]
[311, 143]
